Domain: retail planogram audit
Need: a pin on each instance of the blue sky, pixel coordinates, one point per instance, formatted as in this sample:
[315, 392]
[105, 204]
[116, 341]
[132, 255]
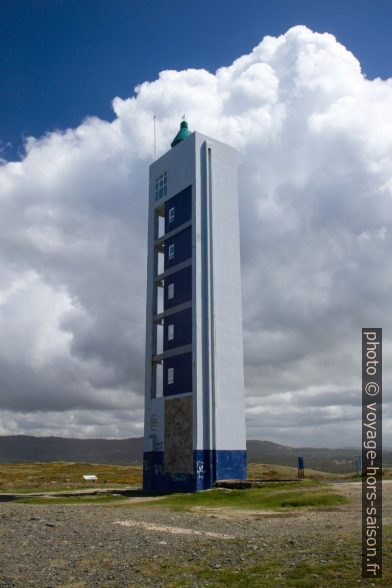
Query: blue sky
[62, 60]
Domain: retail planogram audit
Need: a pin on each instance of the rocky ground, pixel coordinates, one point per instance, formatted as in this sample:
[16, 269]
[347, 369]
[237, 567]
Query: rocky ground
[112, 546]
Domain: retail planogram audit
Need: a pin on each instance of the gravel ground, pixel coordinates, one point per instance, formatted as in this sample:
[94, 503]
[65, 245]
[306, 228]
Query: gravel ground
[86, 546]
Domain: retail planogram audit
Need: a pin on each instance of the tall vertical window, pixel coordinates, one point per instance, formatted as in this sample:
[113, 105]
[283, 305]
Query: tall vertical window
[161, 186]
[171, 251]
[172, 214]
[170, 375]
[170, 332]
[170, 291]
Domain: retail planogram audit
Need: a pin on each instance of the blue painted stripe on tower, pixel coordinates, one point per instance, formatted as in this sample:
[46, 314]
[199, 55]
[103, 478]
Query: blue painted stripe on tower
[208, 466]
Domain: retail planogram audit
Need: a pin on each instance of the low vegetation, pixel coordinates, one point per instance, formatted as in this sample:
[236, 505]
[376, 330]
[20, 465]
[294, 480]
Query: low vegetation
[56, 476]
[272, 496]
[260, 471]
[59, 476]
[279, 496]
[37, 477]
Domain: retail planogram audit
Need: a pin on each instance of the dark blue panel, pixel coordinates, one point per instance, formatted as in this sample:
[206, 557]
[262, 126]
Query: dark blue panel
[204, 467]
[155, 480]
[211, 466]
[182, 247]
[182, 365]
[182, 282]
[182, 327]
[208, 466]
[182, 204]
[230, 465]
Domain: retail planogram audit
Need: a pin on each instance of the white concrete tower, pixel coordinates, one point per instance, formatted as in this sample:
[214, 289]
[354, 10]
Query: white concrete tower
[194, 431]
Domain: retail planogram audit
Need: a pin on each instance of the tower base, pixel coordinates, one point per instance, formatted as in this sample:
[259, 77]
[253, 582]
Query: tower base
[208, 467]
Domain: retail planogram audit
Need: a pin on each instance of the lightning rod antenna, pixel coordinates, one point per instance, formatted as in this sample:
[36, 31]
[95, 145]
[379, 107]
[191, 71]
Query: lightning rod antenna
[155, 139]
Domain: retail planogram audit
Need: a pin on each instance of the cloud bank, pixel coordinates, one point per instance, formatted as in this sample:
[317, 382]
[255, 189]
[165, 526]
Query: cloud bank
[314, 140]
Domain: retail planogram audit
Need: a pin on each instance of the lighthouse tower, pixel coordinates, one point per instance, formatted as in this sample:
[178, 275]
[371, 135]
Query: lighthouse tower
[194, 431]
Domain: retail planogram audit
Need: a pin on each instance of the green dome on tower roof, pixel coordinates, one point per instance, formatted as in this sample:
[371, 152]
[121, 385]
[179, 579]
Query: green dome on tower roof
[182, 134]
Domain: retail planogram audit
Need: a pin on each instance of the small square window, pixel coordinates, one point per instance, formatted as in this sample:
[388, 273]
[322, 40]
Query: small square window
[171, 251]
[170, 291]
[172, 214]
[170, 375]
[170, 332]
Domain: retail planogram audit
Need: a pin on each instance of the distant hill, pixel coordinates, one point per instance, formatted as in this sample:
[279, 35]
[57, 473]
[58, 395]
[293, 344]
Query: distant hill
[317, 458]
[22, 449]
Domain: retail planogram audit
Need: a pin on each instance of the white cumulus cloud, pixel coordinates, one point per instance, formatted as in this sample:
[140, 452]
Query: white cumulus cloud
[314, 140]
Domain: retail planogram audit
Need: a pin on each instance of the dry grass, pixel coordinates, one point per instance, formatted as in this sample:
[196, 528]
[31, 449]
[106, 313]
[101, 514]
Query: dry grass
[29, 477]
[261, 471]
[32, 477]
